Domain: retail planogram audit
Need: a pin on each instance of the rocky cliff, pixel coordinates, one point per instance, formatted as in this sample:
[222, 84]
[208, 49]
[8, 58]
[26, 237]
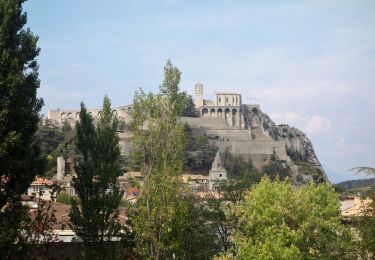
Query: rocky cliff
[298, 147]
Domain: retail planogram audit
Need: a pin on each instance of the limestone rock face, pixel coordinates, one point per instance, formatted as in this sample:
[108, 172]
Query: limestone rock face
[298, 147]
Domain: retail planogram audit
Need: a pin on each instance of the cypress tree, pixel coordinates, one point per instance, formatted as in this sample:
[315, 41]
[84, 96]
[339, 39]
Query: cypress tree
[96, 219]
[20, 157]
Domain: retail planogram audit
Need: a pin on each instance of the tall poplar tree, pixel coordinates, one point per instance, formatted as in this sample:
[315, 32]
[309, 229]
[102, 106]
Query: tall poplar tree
[96, 219]
[158, 150]
[19, 114]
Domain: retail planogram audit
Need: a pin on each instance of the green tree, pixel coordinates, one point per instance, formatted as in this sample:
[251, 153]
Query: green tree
[189, 109]
[192, 236]
[158, 150]
[231, 192]
[366, 223]
[237, 166]
[366, 227]
[199, 152]
[20, 157]
[96, 219]
[366, 170]
[277, 168]
[278, 221]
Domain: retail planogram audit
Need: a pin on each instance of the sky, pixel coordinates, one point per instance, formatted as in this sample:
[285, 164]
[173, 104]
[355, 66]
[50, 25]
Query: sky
[309, 64]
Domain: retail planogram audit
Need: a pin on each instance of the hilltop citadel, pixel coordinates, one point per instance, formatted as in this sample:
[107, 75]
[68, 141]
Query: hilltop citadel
[242, 129]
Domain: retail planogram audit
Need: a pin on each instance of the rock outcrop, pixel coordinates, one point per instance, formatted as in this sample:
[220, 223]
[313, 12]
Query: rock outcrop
[297, 145]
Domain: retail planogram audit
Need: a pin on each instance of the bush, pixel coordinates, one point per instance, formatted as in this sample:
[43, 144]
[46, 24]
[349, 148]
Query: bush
[65, 198]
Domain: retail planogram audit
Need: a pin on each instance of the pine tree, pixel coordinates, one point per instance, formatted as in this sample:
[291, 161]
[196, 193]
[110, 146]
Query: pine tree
[20, 157]
[96, 219]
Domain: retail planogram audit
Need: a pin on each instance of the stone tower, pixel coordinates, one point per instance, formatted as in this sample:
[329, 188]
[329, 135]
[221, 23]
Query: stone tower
[217, 172]
[60, 168]
[198, 101]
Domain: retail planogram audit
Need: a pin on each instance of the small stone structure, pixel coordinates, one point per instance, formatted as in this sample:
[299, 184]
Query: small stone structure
[60, 168]
[217, 172]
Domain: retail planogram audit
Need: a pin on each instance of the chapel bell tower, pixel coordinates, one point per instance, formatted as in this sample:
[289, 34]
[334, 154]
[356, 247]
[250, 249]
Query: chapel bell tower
[198, 101]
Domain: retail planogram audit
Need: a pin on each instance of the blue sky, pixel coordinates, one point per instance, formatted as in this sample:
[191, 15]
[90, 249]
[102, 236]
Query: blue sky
[310, 64]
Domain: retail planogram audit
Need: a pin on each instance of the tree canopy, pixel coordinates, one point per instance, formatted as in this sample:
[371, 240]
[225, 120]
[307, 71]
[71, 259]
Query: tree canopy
[96, 219]
[20, 158]
[279, 221]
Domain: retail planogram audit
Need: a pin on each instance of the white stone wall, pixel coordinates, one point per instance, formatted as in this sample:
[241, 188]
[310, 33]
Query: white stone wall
[35, 189]
[228, 100]
[232, 115]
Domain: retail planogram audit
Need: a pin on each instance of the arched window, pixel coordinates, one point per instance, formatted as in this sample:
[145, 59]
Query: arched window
[204, 111]
[220, 113]
[212, 112]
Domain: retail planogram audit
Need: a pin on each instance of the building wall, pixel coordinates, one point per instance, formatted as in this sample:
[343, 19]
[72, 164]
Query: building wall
[257, 150]
[71, 116]
[232, 115]
[228, 100]
[35, 189]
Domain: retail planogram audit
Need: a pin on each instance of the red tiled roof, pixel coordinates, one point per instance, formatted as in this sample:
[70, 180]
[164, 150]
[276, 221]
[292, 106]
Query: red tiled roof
[132, 190]
[41, 181]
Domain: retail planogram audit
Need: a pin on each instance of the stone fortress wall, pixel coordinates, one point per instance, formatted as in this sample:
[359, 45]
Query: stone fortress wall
[59, 116]
[70, 116]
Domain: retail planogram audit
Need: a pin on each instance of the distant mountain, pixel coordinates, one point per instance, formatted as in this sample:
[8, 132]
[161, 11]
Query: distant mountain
[355, 184]
[334, 177]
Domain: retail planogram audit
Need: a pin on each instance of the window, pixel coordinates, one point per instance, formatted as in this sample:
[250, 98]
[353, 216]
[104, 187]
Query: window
[221, 175]
[37, 188]
[219, 100]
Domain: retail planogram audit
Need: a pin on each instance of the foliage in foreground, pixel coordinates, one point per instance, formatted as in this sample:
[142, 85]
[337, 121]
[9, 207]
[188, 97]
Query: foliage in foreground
[158, 151]
[96, 219]
[20, 157]
[366, 224]
[366, 228]
[279, 221]
[167, 223]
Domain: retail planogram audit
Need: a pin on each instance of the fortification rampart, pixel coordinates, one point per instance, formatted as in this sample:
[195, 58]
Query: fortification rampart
[70, 116]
